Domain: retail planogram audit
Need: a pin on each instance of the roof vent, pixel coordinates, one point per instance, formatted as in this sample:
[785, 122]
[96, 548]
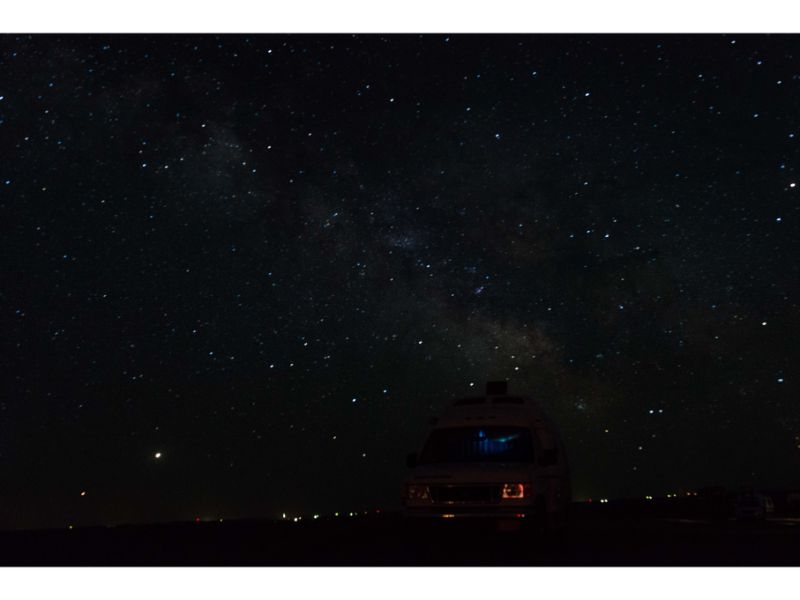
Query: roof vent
[496, 388]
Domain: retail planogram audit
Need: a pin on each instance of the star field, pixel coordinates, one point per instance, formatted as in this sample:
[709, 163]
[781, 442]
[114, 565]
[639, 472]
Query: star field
[242, 272]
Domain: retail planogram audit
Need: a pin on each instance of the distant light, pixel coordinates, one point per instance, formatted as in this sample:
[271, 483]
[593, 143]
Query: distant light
[69, 527]
[780, 379]
[295, 519]
[763, 323]
[778, 219]
[83, 493]
[283, 516]
[316, 516]
[197, 519]
[791, 185]
[157, 455]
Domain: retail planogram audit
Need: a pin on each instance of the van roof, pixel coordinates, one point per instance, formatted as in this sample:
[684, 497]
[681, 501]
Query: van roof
[489, 400]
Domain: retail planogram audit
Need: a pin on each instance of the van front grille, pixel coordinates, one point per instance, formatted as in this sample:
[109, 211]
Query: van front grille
[472, 494]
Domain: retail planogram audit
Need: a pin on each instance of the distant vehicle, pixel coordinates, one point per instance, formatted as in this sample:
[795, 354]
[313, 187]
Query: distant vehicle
[751, 505]
[493, 457]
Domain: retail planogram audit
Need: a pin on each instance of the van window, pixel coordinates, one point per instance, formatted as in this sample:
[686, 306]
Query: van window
[478, 444]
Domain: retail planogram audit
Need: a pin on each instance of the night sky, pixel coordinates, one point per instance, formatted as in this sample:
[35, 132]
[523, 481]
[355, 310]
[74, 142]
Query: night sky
[241, 273]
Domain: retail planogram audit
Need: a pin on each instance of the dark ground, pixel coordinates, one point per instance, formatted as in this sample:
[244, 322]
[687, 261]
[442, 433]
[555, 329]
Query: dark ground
[598, 535]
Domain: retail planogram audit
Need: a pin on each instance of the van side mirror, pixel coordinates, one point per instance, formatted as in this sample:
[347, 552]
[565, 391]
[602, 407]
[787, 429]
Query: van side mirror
[548, 457]
[411, 460]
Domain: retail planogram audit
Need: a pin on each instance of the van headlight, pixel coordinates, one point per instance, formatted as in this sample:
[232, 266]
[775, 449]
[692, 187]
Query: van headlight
[515, 491]
[417, 492]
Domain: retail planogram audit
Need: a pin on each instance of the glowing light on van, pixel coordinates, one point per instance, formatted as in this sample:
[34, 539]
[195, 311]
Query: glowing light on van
[417, 492]
[513, 491]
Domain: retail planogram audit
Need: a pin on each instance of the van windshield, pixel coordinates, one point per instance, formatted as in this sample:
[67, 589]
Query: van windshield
[478, 444]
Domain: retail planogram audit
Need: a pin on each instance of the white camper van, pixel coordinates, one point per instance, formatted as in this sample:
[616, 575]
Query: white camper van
[495, 456]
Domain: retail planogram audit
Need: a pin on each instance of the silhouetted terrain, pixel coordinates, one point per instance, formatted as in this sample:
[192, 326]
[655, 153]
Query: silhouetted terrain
[612, 534]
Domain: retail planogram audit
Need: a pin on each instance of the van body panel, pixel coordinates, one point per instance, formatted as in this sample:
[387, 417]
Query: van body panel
[463, 472]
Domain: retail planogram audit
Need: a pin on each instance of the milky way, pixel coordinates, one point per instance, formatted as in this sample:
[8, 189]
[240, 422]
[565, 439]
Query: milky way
[241, 273]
